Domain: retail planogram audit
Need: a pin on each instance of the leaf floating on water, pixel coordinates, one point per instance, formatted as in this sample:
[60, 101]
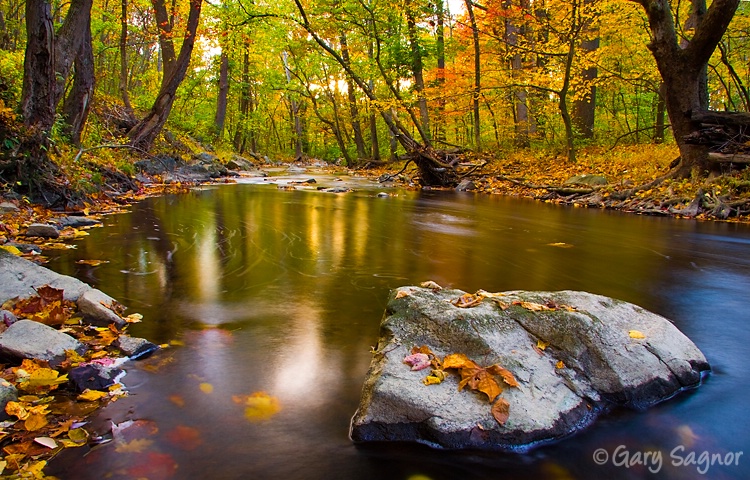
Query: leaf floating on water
[501, 410]
[92, 263]
[468, 300]
[417, 361]
[560, 245]
[636, 334]
[206, 387]
[259, 406]
[184, 437]
[12, 249]
[431, 285]
[91, 395]
[139, 445]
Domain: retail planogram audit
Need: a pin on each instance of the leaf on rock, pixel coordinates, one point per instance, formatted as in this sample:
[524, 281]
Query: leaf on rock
[534, 307]
[435, 377]
[403, 293]
[481, 380]
[504, 373]
[501, 410]
[468, 300]
[636, 334]
[431, 285]
[486, 294]
[50, 294]
[541, 345]
[11, 249]
[458, 360]
[560, 365]
[417, 361]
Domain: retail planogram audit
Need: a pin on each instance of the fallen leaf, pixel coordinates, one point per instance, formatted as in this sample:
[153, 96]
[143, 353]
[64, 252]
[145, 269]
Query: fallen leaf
[206, 387]
[134, 318]
[431, 285]
[79, 436]
[417, 361]
[92, 263]
[560, 245]
[541, 345]
[11, 249]
[259, 406]
[435, 377]
[534, 307]
[468, 300]
[504, 373]
[185, 438]
[481, 380]
[501, 410]
[46, 441]
[138, 445]
[636, 334]
[486, 294]
[34, 422]
[91, 395]
[154, 466]
[177, 400]
[560, 364]
[402, 294]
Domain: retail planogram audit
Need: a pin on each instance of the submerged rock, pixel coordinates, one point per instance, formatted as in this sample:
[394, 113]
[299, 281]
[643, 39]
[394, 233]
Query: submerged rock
[575, 355]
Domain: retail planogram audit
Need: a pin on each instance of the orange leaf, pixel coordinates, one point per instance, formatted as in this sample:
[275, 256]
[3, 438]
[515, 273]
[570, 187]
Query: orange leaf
[506, 374]
[458, 360]
[501, 411]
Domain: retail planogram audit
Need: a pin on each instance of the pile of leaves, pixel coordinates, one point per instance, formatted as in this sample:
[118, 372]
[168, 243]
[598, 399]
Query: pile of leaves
[477, 378]
[50, 414]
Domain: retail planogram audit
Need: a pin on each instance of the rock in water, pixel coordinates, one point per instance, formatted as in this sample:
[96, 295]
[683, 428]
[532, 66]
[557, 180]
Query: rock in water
[575, 355]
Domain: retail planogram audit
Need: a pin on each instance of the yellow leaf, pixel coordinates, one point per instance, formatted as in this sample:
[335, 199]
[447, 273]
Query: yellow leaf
[402, 294]
[79, 436]
[138, 445]
[35, 422]
[134, 318]
[91, 395]
[93, 263]
[636, 334]
[435, 377]
[541, 345]
[560, 364]
[17, 410]
[11, 249]
[259, 406]
[206, 387]
[534, 307]
[560, 245]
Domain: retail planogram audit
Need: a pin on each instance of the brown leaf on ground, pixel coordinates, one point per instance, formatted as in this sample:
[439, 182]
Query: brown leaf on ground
[468, 300]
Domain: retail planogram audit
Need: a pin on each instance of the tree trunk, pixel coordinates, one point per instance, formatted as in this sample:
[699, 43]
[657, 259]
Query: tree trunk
[417, 68]
[661, 109]
[359, 141]
[519, 95]
[477, 75]
[123, 86]
[584, 108]
[221, 101]
[38, 98]
[146, 131]
[294, 111]
[440, 80]
[166, 45]
[682, 70]
[78, 102]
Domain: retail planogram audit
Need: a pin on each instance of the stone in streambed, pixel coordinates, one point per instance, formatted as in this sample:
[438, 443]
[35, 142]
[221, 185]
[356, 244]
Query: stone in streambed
[30, 339]
[591, 364]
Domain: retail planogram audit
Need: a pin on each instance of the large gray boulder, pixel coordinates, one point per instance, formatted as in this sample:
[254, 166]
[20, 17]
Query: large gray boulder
[30, 339]
[575, 355]
[20, 277]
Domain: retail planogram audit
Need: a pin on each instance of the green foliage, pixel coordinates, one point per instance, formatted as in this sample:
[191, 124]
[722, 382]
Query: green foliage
[11, 77]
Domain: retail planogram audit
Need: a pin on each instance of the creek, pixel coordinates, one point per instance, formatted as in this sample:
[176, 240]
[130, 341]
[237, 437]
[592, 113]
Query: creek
[262, 289]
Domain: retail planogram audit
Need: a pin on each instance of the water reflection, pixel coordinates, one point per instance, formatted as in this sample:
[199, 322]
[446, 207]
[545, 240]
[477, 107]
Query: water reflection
[281, 292]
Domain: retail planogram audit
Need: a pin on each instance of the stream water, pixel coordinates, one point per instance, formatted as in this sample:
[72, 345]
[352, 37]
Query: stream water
[267, 290]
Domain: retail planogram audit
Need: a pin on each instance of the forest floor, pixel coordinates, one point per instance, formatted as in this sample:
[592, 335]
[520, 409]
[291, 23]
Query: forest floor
[618, 179]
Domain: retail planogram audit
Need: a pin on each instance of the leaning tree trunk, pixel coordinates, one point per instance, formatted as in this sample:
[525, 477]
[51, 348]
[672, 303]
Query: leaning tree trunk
[681, 69]
[146, 131]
